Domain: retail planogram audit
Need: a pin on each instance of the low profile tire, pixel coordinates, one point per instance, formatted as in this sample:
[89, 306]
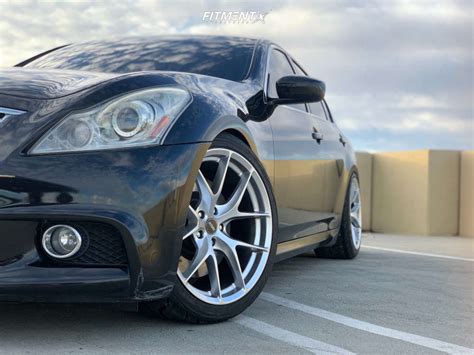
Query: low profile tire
[228, 250]
[350, 234]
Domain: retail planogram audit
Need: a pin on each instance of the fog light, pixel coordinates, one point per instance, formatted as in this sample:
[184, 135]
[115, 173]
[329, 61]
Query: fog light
[61, 241]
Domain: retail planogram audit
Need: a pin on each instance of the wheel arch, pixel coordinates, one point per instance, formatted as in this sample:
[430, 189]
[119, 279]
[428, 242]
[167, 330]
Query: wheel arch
[235, 127]
[354, 170]
[237, 134]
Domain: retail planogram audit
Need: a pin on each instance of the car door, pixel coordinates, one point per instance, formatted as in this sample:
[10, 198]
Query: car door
[331, 153]
[299, 160]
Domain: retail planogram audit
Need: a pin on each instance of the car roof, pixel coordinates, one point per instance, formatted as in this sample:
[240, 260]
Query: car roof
[174, 38]
[143, 40]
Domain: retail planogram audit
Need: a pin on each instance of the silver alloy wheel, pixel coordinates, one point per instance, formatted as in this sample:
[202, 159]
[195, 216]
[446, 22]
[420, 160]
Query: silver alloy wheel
[228, 245]
[356, 213]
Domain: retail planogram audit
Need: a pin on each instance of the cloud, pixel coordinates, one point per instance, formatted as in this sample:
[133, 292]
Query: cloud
[399, 73]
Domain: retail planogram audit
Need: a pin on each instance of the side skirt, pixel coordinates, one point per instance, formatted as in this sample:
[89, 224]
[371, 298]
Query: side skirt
[289, 249]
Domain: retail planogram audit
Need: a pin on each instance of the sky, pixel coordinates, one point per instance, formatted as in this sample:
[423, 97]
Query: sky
[399, 74]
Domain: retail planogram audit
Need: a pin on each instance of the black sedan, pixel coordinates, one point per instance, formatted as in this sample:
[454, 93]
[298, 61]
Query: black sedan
[167, 172]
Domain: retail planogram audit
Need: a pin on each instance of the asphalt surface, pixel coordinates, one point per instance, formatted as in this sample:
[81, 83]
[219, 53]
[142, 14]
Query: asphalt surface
[403, 295]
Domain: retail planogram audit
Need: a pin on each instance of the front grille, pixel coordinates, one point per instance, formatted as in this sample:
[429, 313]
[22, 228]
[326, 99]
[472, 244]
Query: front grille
[104, 246]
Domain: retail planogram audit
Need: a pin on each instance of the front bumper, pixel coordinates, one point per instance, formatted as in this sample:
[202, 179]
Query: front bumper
[142, 193]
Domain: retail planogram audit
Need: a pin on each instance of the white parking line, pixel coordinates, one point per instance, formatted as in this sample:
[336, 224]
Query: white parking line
[369, 327]
[301, 341]
[417, 253]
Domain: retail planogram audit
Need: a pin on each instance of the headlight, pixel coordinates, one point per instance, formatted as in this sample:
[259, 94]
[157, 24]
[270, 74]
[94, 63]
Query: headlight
[136, 119]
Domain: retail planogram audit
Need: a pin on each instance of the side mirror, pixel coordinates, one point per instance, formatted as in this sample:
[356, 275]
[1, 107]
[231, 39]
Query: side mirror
[298, 89]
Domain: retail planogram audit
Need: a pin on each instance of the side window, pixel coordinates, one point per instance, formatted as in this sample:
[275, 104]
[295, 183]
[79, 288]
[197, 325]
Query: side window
[316, 108]
[279, 66]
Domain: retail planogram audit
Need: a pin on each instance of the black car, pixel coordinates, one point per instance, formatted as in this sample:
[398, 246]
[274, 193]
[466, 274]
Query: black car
[169, 172]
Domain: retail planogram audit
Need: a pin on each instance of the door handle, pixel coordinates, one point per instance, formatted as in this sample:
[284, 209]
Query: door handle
[318, 137]
[342, 140]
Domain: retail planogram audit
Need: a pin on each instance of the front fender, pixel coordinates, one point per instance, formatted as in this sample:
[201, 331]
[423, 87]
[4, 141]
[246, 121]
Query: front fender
[203, 122]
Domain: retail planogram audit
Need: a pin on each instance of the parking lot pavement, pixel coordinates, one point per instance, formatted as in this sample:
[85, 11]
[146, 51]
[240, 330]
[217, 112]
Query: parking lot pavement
[388, 300]
[440, 246]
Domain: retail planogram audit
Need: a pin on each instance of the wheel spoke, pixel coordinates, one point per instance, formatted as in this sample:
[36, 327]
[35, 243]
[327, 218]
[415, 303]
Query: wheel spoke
[227, 245]
[355, 233]
[230, 210]
[205, 192]
[194, 215]
[234, 262]
[255, 248]
[355, 221]
[355, 208]
[242, 215]
[201, 255]
[241, 188]
[354, 194]
[234, 243]
[220, 177]
[214, 277]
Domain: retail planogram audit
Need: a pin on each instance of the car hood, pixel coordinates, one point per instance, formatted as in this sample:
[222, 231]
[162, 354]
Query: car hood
[47, 84]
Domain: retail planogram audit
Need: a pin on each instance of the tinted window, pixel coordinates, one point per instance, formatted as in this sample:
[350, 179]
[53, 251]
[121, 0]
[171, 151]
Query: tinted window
[279, 66]
[223, 57]
[316, 108]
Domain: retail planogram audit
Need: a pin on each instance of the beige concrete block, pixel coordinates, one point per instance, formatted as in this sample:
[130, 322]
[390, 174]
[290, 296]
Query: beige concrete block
[364, 163]
[416, 192]
[399, 192]
[466, 212]
[443, 192]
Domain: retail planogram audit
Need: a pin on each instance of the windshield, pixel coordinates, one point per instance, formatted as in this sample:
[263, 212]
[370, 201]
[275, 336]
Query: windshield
[222, 57]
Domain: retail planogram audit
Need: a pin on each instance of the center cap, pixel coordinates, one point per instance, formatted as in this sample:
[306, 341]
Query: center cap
[211, 226]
